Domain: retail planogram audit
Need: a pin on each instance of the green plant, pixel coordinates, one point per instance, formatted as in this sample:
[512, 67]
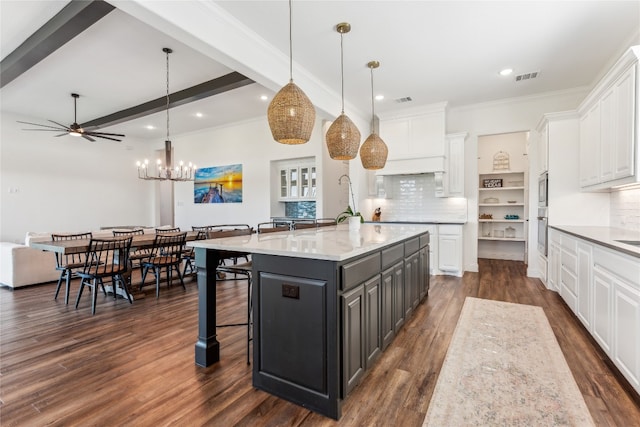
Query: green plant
[348, 212]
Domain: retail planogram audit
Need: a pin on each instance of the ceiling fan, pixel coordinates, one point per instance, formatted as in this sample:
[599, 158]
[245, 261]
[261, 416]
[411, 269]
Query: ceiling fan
[75, 129]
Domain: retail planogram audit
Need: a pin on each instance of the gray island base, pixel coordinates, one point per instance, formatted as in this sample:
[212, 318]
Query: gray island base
[326, 304]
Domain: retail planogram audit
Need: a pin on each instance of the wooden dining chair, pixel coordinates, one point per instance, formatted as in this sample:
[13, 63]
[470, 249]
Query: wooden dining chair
[167, 230]
[166, 254]
[68, 264]
[108, 257]
[244, 270]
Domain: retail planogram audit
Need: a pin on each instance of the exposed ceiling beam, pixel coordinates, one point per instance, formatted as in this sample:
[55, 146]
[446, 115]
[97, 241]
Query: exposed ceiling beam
[73, 19]
[216, 86]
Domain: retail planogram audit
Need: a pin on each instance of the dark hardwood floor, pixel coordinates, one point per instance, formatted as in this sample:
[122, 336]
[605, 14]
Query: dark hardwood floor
[134, 364]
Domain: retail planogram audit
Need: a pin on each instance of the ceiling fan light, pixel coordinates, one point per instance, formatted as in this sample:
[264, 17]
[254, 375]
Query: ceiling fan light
[373, 152]
[291, 115]
[343, 139]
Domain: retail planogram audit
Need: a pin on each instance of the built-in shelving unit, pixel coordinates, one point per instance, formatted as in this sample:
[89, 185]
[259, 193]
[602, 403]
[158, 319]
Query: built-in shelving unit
[502, 199]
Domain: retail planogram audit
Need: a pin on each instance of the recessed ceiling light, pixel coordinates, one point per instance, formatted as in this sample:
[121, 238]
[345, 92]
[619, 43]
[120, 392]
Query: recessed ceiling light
[264, 97]
[150, 127]
[199, 114]
[506, 72]
[379, 97]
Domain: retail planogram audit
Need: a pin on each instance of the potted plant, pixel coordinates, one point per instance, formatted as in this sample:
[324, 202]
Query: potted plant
[349, 212]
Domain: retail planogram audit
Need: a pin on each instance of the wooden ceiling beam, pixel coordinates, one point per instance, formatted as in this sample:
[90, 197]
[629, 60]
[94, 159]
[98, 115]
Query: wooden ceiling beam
[72, 20]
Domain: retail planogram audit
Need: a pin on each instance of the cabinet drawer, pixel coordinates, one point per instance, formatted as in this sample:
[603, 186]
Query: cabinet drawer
[392, 255]
[569, 281]
[450, 229]
[569, 261]
[411, 246]
[358, 271]
[424, 240]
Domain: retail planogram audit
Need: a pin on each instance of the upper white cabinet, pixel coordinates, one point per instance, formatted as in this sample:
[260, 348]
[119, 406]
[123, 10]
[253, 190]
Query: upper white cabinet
[297, 181]
[609, 119]
[451, 181]
[543, 147]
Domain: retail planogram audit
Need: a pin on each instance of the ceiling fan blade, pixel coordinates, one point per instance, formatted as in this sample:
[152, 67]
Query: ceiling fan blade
[62, 134]
[46, 130]
[59, 124]
[105, 137]
[85, 136]
[46, 126]
[104, 133]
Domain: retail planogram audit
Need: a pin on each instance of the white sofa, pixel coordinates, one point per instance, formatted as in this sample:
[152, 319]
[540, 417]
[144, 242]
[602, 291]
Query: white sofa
[21, 265]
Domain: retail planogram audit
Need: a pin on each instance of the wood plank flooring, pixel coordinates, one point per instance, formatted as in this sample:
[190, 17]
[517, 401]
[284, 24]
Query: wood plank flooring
[134, 364]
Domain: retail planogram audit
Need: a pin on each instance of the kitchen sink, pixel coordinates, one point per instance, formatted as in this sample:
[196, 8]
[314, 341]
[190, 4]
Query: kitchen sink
[630, 242]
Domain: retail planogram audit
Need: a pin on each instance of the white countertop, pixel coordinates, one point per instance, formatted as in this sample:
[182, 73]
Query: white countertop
[606, 236]
[334, 243]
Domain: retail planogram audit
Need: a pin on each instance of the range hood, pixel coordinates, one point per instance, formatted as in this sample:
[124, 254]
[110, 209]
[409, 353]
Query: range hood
[413, 166]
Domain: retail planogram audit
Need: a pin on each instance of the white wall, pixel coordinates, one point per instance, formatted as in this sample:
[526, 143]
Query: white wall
[67, 183]
[250, 144]
[625, 209]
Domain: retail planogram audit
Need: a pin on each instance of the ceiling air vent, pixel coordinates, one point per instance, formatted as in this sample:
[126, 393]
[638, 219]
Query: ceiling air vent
[403, 100]
[527, 76]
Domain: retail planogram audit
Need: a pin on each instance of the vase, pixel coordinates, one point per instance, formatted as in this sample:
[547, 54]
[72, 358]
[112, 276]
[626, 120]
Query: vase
[354, 223]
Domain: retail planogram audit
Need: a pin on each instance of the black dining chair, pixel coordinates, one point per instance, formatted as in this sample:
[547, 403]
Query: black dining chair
[136, 255]
[189, 254]
[68, 264]
[166, 254]
[108, 257]
[167, 230]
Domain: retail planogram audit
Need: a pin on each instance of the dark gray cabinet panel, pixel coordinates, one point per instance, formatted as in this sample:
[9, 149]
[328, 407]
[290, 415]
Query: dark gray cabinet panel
[353, 358]
[373, 304]
[424, 272]
[398, 296]
[360, 270]
[386, 314]
[414, 280]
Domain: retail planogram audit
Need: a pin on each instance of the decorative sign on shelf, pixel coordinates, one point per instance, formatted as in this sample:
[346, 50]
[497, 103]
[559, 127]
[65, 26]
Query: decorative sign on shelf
[492, 183]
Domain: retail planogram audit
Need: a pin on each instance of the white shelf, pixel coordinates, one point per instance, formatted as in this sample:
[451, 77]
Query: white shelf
[501, 220]
[500, 204]
[499, 172]
[500, 188]
[503, 239]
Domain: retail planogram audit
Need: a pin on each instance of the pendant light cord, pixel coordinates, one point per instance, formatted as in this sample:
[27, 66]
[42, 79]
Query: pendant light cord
[290, 44]
[342, 70]
[373, 111]
[167, 52]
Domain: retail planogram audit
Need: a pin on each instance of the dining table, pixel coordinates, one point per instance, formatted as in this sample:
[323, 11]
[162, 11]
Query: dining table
[68, 247]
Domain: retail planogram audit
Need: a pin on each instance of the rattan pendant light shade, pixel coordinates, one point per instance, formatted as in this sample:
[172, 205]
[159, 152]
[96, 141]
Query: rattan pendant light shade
[374, 151]
[343, 137]
[291, 115]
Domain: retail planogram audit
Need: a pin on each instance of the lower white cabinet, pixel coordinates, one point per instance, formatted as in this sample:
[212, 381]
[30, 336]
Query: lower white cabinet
[450, 249]
[602, 287]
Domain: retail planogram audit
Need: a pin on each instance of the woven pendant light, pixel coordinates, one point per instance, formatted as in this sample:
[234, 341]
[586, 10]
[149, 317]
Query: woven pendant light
[343, 137]
[291, 114]
[374, 151]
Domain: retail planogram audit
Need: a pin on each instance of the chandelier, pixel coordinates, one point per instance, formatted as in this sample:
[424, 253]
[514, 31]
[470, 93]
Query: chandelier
[181, 172]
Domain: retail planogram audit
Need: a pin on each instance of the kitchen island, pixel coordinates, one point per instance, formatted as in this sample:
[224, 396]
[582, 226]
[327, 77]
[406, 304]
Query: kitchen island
[326, 303]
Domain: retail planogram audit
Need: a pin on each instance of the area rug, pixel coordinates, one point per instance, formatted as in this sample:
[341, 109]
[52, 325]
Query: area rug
[504, 367]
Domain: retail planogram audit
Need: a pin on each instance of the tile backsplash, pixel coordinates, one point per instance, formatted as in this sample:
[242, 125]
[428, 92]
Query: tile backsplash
[300, 209]
[412, 198]
[625, 209]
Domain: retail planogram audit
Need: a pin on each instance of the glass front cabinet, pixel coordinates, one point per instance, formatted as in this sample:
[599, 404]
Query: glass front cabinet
[298, 182]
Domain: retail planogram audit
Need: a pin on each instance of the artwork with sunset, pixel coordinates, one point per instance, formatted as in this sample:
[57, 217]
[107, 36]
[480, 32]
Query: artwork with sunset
[218, 184]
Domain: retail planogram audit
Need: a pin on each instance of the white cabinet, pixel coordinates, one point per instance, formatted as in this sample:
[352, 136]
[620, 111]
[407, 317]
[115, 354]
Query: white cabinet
[297, 182]
[451, 181]
[450, 249]
[543, 147]
[553, 273]
[608, 127]
[602, 287]
[418, 134]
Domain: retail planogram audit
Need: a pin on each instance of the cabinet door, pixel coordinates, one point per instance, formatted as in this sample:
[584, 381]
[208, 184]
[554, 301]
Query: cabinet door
[455, 161]
[305, 181]
[543, 150]
[409, 274]
[398, 296]
[424, 272]
[373, 307]
[602, 294]
[625, 107]
[284, 183]
[314, 184]
[353, 321]
[607, 135]
[553, 276]
[450, 253]
[590, 146]
[293, 182]
[626, 330]
[584, 284]
[386, 316]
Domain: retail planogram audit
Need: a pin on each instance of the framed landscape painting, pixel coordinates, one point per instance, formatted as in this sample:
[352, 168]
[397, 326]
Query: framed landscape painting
[218, 184]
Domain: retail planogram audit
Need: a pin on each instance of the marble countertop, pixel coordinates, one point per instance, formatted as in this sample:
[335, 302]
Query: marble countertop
[606, 236]
[333, 243]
